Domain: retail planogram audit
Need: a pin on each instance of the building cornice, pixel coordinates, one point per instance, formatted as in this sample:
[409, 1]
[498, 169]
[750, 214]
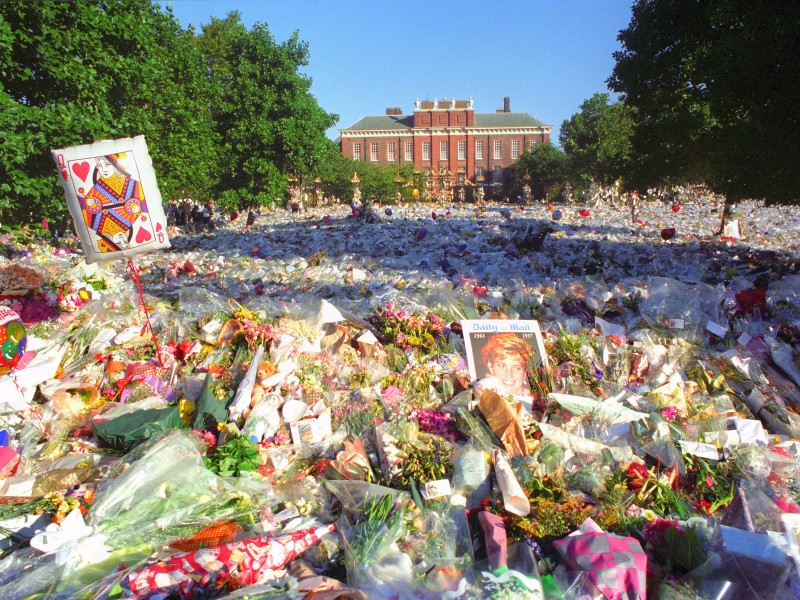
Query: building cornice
[375, 133]
[426, 131]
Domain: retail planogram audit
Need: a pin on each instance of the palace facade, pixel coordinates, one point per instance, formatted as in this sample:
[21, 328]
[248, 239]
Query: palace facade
[476, 148]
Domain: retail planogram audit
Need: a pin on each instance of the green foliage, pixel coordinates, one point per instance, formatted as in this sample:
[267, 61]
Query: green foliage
[546, 164]
[269, 124]
[78, 72]
[597, 140]
[716, 86]
[233, 457]
[225, 112]
[377, 181]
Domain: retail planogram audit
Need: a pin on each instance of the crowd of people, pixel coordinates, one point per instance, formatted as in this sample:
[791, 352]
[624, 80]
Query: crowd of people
[188, 212]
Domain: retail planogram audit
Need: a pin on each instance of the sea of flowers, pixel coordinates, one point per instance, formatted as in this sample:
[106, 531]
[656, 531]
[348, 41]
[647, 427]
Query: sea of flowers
[293, 414]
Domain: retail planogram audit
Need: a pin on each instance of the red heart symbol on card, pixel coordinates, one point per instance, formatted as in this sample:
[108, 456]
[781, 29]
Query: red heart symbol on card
[64, 173]
[143, 236]
[81, 169]
[158, 227]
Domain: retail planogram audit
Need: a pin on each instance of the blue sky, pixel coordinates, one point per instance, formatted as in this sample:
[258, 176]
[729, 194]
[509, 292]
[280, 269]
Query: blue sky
[548, 56]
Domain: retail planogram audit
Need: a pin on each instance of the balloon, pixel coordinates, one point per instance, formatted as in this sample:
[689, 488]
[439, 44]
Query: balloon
[676, 207]
[113, 197]
[415, 193]
[388, 212]
[583, 212]
[668, 233]
[557, 215]
[326, 219]
[13, 340]
[434, 215]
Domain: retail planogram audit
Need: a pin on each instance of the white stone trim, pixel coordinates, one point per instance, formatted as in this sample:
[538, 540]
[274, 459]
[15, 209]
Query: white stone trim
[425, 131]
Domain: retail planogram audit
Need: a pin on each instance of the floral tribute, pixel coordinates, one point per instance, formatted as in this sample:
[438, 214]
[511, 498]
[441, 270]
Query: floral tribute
[294, 432]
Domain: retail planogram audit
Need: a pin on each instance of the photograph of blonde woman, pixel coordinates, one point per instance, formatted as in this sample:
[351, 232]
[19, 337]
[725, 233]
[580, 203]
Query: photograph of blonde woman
[505, 359]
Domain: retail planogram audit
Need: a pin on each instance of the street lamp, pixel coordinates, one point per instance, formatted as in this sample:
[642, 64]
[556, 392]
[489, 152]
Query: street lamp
[398, 195]
[356, 192]
[526, 189]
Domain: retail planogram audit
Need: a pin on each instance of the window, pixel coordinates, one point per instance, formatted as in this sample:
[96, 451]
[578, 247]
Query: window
[497, 175]
[373, 151]
[391, 151]
[478, 172]
[409, 151]
[478, 149]
[426, 150]
[531, 144]
[357, 151]
[498, 149]
[462, 150]
[514, 149]
[444, 150]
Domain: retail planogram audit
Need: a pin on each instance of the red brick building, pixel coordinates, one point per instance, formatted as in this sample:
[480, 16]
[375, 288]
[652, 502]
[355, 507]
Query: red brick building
[446, 133]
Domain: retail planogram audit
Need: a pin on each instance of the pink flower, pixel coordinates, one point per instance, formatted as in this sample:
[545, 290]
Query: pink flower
[671, 413]
[392, 395]
[709, 481]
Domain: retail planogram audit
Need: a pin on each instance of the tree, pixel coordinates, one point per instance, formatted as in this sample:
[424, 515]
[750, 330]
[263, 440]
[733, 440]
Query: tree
[716, 87]
[546, 165]
[269, 124]
[76, 72]
[376, 181]
[597, 140]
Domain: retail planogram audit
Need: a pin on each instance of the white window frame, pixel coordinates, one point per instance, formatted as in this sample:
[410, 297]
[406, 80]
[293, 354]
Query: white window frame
[498, 149]
[514, 149]
[426, 150]
[444, 150]
[479, 149]
[391, 151]
[409, 151]
[497, 174]
[462, 150]
[479, 172]
[373, 151]
[357, 151]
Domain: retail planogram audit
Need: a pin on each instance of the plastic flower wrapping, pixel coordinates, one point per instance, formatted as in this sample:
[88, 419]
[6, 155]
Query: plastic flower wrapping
[321, 408]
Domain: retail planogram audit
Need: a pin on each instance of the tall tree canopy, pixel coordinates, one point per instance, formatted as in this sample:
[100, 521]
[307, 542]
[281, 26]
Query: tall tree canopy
[597, 140]
[76, 72]
[270, 125]
[716, 87]
[546, 164]
[226, 112]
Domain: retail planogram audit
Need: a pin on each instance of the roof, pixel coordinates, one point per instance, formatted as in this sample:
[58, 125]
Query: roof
[382, 122]
[406, 122]
[507, 119]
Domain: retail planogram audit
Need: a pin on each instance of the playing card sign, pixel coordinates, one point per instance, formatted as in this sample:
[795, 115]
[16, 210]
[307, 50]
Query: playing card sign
[113, 198]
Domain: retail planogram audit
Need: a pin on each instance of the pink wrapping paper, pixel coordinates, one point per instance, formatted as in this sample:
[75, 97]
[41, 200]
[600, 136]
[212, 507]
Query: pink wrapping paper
[616, 564]
[242, 563]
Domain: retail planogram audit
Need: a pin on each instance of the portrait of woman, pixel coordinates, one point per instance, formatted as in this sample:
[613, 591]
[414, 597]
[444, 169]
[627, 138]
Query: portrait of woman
[506, 358]
[113, 205]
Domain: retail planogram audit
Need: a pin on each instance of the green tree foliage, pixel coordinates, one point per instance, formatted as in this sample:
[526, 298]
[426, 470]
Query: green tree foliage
[269, 124]
[716, 87]
[76, 72]
[597, 140]
[377, 182]
[547, 166]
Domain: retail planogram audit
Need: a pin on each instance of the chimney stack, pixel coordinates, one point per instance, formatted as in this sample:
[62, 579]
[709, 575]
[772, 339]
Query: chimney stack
[507, 104]
[394, 110]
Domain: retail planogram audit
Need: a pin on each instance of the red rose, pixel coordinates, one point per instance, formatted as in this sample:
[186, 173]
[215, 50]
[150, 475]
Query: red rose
[637, 476]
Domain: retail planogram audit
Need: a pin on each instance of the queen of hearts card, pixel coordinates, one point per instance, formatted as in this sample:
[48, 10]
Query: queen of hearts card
[113, 198]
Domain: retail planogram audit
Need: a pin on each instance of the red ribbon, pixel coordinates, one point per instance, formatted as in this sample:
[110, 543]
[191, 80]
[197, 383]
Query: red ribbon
[134, 273]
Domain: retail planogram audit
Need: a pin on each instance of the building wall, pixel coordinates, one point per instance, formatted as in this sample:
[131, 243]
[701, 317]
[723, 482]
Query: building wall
[452, 125]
